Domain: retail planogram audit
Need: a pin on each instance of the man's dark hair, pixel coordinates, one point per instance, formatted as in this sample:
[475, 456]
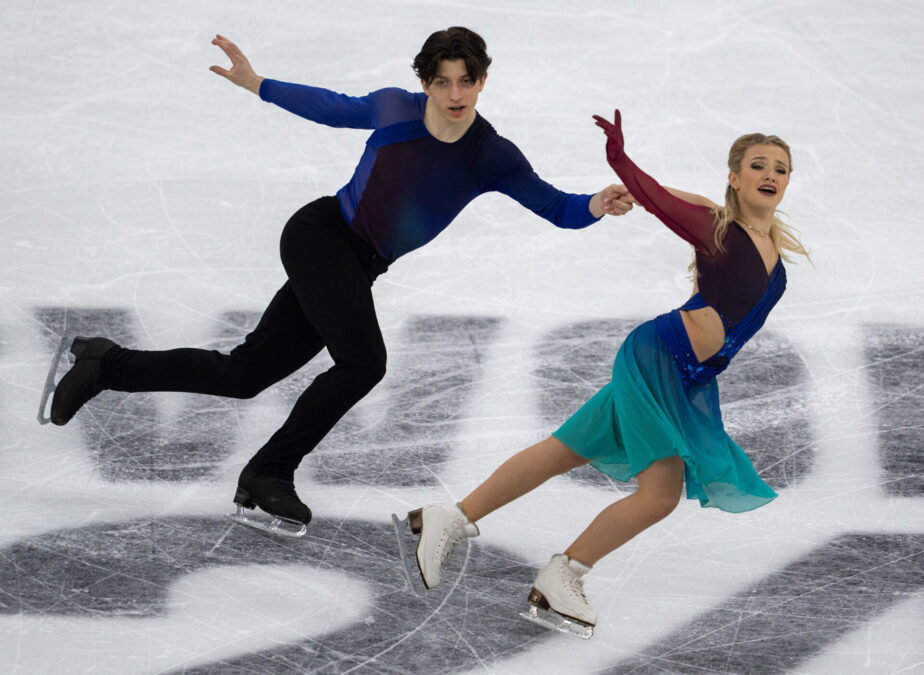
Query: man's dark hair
[451, 44]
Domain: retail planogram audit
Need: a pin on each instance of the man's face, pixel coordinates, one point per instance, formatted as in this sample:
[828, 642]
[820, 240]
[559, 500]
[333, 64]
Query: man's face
[452, 92]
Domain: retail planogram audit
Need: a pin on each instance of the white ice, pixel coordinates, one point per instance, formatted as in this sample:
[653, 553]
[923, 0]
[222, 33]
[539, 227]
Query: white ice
[133, 178]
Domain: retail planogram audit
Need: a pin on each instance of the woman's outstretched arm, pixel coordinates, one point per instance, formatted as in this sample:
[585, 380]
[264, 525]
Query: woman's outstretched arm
[693, 221]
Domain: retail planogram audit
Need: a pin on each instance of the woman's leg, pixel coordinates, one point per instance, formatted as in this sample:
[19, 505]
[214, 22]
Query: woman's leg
[521, 473]
[659, 488]
[443, 526]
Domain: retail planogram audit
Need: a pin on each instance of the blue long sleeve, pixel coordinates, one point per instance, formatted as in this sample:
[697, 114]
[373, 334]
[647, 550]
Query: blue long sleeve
[320, 105]
[409, 186]
[563, 209]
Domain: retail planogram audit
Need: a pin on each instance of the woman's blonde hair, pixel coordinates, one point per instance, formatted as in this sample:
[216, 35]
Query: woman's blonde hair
[782, 234]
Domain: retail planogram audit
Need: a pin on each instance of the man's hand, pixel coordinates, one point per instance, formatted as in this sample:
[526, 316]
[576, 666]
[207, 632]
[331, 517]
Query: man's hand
[241, 73]
[613, 200]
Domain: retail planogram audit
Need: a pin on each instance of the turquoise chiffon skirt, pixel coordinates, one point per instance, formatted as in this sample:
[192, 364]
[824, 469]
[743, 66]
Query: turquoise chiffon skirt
[644, 414]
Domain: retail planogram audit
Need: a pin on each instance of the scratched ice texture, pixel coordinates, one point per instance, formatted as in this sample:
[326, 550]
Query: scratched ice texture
[143, 197]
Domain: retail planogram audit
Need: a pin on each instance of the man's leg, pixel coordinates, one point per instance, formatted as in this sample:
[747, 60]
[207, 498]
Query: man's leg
[334, 294]
[282, 342]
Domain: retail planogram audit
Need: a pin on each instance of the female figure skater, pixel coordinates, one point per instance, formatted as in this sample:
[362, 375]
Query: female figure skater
[659, 418]
[429, 155]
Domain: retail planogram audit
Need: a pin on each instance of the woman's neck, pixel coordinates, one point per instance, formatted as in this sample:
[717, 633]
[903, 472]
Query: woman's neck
[760, 220]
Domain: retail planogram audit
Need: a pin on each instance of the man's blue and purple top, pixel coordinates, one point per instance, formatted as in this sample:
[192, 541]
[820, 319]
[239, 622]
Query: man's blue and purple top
[408, 185]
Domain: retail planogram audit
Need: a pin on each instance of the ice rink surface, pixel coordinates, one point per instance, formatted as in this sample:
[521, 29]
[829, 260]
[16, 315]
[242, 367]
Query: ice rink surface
[143, 197]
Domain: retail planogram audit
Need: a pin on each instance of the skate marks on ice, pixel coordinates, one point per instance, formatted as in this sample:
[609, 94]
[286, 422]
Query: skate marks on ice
[129, 436]
[126, 570]
[764, 395]
[795, 613]
[433, 372]
[895, 355]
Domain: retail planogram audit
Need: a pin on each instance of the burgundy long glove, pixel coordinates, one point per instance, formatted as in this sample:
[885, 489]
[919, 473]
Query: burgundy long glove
[615, 146]
[691, 222]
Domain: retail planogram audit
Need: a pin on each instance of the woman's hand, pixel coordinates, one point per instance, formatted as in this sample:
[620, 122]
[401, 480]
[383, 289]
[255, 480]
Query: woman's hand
[241, 73]
[614, 140]
[613, 200]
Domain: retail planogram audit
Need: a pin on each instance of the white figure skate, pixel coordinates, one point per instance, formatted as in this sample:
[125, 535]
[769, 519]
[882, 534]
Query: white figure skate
[441, 527]
[557, 598]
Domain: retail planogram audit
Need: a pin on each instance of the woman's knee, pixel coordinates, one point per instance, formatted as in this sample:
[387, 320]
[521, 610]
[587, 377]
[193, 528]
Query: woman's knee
[661, 505]
[660, 487]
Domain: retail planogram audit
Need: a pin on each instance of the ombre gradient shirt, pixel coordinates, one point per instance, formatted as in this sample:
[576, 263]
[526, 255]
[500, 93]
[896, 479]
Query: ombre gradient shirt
[409, 186]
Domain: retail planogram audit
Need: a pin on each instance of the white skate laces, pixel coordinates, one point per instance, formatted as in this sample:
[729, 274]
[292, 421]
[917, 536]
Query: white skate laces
[560, 587]
[441, 527]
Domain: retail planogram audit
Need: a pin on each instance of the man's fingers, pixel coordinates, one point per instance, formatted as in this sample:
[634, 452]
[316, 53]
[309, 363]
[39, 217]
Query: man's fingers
[617, 209]
[224, 47]
[229, 48]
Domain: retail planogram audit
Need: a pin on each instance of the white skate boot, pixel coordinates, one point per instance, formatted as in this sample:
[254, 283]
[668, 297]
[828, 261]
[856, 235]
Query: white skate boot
[557, 598]
[441, 527]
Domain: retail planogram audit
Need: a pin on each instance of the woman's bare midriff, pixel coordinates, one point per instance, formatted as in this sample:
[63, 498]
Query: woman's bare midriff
[705, 331]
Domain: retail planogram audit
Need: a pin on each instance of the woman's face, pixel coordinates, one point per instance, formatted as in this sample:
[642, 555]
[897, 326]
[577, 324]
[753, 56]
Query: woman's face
[452, 92]
[763, 177]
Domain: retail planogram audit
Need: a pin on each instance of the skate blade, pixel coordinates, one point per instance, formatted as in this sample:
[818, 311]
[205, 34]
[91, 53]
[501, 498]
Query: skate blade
[408, 562]
[552, 620]
[268, 522]
[44, 416]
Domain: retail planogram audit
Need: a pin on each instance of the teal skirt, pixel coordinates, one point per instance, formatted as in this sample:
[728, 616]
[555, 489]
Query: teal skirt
[644, 414]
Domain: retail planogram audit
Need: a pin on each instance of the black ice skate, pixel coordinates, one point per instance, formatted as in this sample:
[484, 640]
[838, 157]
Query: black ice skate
[79, 384]
[285, 512]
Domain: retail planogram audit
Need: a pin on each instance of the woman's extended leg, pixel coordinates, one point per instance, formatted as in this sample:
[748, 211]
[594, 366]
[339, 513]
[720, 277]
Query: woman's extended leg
[520, 474]
[659, 488]
[442, 526]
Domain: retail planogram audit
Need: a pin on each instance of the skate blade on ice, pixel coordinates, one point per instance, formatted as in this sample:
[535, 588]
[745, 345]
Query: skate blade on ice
[268, 522]
[552, 620]
[50, 384]
[408, 561]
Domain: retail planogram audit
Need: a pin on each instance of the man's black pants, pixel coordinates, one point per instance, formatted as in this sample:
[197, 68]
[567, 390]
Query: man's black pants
[326, 302]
